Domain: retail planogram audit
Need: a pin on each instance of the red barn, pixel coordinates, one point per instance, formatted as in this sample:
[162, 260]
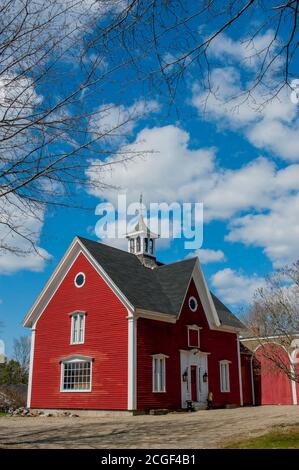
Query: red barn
[116, 330]
[269, 370]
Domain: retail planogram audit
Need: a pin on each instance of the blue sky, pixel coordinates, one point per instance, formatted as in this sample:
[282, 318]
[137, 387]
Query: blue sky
[240, 161]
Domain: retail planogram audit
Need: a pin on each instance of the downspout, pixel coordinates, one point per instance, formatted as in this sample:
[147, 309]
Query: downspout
[252, 380]
[239, 368]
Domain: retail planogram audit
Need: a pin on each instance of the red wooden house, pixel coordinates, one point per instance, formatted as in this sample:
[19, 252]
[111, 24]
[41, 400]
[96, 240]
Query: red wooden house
[116, 330]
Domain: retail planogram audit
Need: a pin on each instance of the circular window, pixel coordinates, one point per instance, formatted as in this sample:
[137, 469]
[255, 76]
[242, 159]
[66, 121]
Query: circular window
[79, 279]
[193, 304]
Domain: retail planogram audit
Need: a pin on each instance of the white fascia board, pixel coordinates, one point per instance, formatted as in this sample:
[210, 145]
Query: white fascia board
[58, 276]
[205, 297]
[208, 303]
[151, 315]
[258, 338]
[231, 329]
[27, 322]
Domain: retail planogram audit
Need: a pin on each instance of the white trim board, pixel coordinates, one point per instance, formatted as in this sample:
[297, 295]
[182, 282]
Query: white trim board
[29, 391]
[76, 248]
[132, 361]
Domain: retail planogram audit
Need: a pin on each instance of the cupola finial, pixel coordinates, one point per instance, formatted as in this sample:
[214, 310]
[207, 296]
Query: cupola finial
[140, 205]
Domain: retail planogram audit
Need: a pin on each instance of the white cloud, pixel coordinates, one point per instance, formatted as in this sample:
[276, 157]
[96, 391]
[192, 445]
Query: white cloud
[52, 26]
[17, 101]
[276, 137]
[174, 172]
[207, 255]
[165, 170]
[116, 122]
[234, 287]
[269, 124]
[249, 51]
[276, 231]
[241, 189]
[28, 223]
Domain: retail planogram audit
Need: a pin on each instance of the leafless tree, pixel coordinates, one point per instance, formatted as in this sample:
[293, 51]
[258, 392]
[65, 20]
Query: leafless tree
[180, 36]
[59, 60]
[273, 318]
[51, 88]
[21, 352]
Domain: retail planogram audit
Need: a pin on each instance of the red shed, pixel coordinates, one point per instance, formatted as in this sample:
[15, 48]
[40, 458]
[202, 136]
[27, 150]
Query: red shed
[116, 330]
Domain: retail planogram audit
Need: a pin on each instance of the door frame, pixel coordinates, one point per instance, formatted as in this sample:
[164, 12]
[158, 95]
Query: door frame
[200, 360]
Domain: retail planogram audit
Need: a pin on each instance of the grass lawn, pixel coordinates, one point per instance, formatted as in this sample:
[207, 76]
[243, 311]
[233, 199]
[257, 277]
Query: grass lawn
[280, 438]
[3, 414]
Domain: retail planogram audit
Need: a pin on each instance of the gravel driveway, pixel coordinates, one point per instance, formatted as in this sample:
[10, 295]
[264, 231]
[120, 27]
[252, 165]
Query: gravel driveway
[201, 429]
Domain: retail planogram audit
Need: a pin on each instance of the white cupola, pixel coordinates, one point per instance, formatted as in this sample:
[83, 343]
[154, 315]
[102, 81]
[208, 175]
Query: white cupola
[141, 241]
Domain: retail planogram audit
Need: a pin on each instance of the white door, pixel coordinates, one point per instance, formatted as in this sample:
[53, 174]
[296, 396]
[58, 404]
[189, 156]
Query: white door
[193, 366]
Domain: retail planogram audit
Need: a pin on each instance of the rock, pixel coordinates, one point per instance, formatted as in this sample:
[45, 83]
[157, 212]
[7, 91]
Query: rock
[161, 411]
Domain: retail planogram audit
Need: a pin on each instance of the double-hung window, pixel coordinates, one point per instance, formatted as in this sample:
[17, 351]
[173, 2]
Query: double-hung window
[159, 373]
[224, 376]
[78, 328]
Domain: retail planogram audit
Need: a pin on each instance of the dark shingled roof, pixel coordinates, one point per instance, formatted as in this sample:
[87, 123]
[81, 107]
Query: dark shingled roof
[226, 317]
[174, 279]
[168, 282]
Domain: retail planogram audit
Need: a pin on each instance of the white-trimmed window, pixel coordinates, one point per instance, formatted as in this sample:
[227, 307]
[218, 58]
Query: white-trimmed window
[79, 280]
[159, 373]
[193, 336]
[76, 375]
[78, 327]
[193, 304]
[224, 376]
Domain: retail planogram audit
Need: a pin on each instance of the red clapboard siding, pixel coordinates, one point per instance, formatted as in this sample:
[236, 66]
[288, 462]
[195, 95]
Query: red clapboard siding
[273, 387]
[154, 337]
[106, 340]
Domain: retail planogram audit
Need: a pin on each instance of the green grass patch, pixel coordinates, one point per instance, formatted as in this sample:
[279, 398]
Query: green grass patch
[3, 414]
[280, 438]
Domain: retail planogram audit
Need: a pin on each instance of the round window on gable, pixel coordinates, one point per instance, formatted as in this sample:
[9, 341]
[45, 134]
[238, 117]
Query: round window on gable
[193, 304]
[79, 279]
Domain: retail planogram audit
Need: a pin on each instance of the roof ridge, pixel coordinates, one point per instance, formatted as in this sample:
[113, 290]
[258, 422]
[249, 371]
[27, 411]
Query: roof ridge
[105, 244]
